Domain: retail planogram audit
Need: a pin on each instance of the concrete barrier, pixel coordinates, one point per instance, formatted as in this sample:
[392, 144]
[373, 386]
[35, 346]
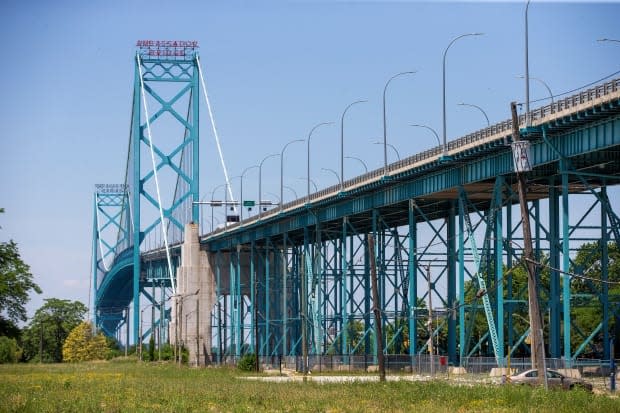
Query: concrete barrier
[373, 368]
[501, 371]
[572, 373]
[457, 370]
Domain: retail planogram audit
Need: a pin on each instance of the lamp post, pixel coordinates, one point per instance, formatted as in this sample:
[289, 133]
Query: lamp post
[335, 173]
[260, 189]
[445, 145]
[385, 170]
[212, 194]
[527, 71]
[282, 169]
[479, 108]
[308, 163]
[310, 181]
[542, 82]
[342, 141]
[290, 189]
[385, 145]
[141, 317]
[361, 161]
[241, 191]
[430, 129]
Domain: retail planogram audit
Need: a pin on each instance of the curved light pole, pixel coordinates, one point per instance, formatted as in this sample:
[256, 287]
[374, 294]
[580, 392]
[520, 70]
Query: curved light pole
[385, 163]
[260, 189]
[282, 169]
[385, 145]
[542, 82]
[292, 190]
[212, 194]
[335, 173]
[361, 161]
[241, 192]
[430, 129]
[342, 141]
[310, 136]
[527, 70]
[445, 145]
[310, 181]
[479, 108]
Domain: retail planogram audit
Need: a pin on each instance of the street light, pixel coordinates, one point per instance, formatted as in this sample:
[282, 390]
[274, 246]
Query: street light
[141, 319]
[445, 145]
[541, 82]
[361, 161]
[385, 170]
[310, 181]
[241, 192]
[310, 136]
[282, 169]
[608, 40]
[430, 129]
[385, 145]
[479, 108]
[260, 189]
[527, 71]
[292, 190]
[335, 173]
[342, 141]
[212, 194]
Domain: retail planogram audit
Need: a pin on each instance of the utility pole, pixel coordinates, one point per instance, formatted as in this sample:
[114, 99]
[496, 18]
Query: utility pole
[537, 346]
[375, 306]
[197, 332]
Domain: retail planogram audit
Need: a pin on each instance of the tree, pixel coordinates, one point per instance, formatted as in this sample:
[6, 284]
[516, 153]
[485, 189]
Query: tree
[44, 337]
[82, 345]
[9, 350]
[16, 283]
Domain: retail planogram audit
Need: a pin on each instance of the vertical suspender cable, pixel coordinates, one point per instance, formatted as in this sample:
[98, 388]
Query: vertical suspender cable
[217, 138]
[161, 211]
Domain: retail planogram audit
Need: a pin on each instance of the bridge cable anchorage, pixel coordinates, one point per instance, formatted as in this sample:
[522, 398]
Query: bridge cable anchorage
[215, 134]
[161, 211]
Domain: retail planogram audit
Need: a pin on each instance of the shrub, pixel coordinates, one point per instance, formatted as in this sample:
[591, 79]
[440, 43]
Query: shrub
[247, 362]
[9, 350]
[82, 345]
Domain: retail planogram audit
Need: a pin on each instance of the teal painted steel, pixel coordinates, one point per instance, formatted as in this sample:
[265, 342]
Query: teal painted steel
[480, 278]
[565, 264]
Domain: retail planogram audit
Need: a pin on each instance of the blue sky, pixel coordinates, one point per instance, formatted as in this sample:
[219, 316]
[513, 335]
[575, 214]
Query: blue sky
[274, 69]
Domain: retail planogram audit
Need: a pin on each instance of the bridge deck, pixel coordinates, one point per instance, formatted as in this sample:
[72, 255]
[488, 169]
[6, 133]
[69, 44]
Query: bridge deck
[481, 156]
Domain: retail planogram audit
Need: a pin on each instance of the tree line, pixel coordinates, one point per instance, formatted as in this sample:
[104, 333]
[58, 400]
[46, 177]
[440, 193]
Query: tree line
[56, 332]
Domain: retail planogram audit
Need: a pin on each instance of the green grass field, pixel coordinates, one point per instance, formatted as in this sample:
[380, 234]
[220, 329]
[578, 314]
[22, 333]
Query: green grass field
[132, 387]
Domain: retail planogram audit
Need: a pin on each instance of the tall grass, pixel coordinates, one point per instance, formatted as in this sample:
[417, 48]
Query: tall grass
[150, 387]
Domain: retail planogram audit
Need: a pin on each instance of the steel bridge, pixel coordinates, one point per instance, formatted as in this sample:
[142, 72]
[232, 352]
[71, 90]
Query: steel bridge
[445, 228]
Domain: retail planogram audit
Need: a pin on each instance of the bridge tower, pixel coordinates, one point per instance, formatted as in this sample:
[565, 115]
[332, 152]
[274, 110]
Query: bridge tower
[110, 235]
[162, 173]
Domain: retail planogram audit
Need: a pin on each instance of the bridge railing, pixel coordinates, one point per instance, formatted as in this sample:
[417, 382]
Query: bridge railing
[493, 133]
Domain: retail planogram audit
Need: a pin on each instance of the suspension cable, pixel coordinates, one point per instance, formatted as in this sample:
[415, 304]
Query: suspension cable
[161, 210]
[217, 138]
